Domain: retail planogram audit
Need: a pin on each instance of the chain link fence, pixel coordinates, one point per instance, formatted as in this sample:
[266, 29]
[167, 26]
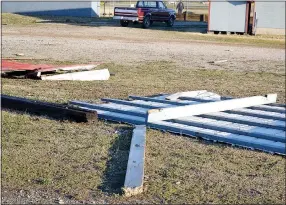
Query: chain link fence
[196, 8]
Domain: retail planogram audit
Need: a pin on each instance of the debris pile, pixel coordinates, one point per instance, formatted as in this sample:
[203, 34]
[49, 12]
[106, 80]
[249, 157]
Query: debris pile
[254, 122]
[246, 122]
[14, 69]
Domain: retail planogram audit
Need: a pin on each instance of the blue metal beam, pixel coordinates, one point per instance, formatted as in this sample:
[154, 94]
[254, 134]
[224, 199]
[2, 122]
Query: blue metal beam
[262, 107]
[256, 114]
[255, 132]
[161, 101]
[234, 128]
[240, 140]
[244, 141]
[125, 102]
[107, 108]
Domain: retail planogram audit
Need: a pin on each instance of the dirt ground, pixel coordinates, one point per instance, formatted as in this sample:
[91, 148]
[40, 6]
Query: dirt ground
[128, 46]
[46, 161]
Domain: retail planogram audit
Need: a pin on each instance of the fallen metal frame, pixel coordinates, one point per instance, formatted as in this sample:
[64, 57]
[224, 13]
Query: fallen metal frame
[241, 111]
[235, 118]
[260, 127]
[208, 134]
[234, 128]
[265, 132]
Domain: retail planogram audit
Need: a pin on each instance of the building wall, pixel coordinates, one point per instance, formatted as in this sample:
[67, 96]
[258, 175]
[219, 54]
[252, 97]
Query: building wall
[64, 8]
[227, 16]
[270, 17]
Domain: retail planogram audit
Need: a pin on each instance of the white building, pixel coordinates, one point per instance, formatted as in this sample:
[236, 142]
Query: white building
[53, 8]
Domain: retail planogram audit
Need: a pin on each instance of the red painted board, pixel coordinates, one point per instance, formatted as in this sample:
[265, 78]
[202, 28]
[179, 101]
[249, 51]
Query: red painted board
[17, 66]
[14, 66]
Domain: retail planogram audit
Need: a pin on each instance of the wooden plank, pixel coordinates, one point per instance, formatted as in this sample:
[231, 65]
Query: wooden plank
[154, 115]
[81, 76]
[135, 168]
[16, 66]
[52, 110]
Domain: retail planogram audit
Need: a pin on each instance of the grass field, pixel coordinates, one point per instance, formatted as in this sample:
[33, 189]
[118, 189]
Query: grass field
[88, 161]
[85, 163]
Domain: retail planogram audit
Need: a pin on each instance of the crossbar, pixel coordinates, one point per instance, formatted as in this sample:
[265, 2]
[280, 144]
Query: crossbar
[250, 120]
[205, 108]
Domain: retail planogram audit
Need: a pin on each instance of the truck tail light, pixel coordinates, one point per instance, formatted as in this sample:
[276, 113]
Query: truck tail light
[140, 12]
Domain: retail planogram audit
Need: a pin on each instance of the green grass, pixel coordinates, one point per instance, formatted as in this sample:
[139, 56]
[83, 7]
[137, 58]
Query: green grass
[88, 161]
[147, 79]
[17, 19]
[40, 153]
[271, 41]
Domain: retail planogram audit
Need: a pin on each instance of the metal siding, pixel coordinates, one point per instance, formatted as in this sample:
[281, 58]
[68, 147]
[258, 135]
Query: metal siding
[95, 8]
[85, 9]
[270, 14]
[227, 16]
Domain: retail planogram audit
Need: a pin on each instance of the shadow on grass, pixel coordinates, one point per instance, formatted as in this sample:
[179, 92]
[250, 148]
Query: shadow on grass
[115, 171]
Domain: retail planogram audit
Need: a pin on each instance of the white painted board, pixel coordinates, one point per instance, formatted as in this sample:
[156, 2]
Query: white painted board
[154, 115]
[135, 168]
[81, 76]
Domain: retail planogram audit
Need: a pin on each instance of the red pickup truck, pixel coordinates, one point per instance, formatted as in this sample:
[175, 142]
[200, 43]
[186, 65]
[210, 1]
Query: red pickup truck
[145, 12]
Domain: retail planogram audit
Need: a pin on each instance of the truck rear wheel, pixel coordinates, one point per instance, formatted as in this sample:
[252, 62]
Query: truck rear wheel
[146, 22]
[124, 23]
